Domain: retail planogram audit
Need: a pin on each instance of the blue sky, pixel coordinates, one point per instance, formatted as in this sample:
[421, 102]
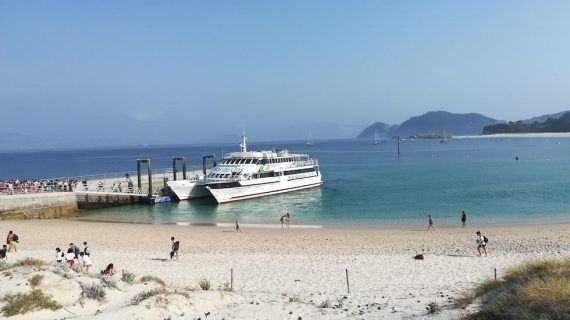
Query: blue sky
[133, 72]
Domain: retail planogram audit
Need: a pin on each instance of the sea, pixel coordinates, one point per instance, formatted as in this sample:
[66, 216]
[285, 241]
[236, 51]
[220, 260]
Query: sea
[497, 181]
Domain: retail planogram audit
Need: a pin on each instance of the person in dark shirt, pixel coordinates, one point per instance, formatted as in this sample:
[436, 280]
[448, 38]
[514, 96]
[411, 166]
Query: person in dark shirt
[463, 218]
[3, 253]
[175, 248]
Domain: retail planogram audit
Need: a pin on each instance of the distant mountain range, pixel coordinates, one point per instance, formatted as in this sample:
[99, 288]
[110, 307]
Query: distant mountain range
[433, 123]
[553, 123]
[443, 122]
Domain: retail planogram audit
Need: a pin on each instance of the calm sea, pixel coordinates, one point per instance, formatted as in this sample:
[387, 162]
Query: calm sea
[363, 184]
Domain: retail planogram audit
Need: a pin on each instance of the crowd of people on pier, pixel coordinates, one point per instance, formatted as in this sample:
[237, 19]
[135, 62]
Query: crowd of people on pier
[15, 186]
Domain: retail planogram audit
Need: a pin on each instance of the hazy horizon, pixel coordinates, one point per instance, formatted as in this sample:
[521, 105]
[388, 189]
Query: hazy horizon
[130, 73]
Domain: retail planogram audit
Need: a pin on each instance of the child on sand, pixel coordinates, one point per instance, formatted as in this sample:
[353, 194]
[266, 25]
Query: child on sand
[70, 258]
[430, 223]
[59, 256]
[86, 262]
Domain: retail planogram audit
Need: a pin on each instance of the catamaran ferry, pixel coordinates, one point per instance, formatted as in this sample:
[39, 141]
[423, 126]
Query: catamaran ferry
[251, 174]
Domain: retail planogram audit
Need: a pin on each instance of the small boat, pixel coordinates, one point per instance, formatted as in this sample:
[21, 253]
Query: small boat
[443, 138]
[376, 139]
[309, 141]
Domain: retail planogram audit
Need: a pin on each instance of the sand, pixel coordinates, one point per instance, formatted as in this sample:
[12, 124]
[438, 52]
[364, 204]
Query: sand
[284, 273]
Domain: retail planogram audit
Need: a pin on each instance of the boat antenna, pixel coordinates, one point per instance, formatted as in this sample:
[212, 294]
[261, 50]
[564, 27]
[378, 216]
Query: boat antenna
[243, 144]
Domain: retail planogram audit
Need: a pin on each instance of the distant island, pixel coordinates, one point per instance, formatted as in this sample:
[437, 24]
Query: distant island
[436, 124]
[560, 124]
[432, 124]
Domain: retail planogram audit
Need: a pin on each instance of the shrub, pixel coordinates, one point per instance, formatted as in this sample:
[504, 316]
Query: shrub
[21, 303]
[36, 280]
[108, 282]
[93, 291]
[295, 299]
[128, 277]
[152, 279]
[204, 284]
[147, 294]
[28, 262]
[433, 308]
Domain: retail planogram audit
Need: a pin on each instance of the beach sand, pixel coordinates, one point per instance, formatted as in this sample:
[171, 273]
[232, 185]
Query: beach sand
[286, 273]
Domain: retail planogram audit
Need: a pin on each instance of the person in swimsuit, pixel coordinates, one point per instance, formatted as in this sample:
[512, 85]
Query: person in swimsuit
[287, 219]
[463, 218]
[237, 225]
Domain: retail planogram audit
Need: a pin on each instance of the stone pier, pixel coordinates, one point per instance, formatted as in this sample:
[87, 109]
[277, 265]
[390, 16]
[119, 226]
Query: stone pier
[38, 205]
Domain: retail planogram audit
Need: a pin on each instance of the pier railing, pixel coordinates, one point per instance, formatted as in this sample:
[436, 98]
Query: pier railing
[118, 183]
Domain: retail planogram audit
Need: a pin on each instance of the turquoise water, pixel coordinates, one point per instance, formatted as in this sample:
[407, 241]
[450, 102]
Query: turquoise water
[368, 185]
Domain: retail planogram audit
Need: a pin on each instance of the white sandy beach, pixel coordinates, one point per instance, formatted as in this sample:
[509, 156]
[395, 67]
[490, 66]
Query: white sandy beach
[281, 274]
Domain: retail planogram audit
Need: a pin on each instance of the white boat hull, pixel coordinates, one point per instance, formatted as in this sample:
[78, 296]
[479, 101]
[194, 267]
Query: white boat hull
[277, 186]
[188, 189]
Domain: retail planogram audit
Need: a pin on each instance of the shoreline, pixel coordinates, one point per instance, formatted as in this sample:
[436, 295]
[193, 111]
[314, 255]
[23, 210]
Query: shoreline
[502, 222]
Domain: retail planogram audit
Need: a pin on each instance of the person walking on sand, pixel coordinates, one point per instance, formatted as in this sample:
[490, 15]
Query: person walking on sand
[175, 248]
[14, 239]
[86, 262]
[59, 257]
[482, 242]
[287, 219]
[237, 225]
[430, 223]
[70, 258]
[282, 220]
[86, 249]
[463, 218]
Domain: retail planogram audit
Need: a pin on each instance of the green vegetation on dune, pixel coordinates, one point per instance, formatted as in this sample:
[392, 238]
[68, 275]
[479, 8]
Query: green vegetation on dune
[533, 290]
[21, 303]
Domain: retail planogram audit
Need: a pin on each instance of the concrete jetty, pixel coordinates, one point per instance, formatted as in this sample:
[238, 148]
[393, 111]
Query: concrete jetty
[38, 205]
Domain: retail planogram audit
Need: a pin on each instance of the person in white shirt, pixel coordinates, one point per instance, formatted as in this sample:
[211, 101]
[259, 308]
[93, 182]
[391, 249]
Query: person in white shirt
[86, 261]
[481, 243]
[59, 256]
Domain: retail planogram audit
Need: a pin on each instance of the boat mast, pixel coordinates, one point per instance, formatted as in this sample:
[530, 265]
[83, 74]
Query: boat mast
[243, 144]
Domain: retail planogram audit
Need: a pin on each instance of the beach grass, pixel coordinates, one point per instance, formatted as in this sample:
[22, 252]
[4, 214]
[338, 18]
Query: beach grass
[532, 290]
[204, 284]
[147, 294]
[28, 262]
[21, 303]
[36, 280]
[155, 279]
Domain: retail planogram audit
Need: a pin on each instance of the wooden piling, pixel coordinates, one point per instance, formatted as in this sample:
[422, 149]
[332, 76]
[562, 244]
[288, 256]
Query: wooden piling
[232, 279]
[347, 283]
[398, 146]
[495, 274]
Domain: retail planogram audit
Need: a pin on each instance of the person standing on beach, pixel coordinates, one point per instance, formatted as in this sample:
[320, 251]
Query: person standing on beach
[175, 248]
[282, 220]
[463, 218]
[237, 225]
[430, 223]
[482, 242]
[9, 239]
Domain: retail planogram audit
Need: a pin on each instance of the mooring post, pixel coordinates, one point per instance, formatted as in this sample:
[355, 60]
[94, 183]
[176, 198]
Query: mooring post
[495, 274]
[149, 178]
[205, 158]
[139, 182]
[174, 168]
[184, 168]
[347, 283]
[398, 146]
[232, 279]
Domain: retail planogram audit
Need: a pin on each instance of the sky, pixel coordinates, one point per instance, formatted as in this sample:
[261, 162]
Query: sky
[136, 72]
